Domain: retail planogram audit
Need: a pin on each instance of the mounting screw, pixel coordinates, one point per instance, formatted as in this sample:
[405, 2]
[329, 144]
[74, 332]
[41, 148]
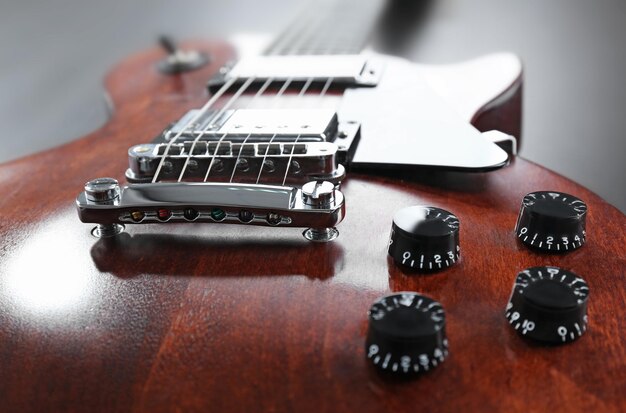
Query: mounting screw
[321, 234]
[104, 191]
[318, 193]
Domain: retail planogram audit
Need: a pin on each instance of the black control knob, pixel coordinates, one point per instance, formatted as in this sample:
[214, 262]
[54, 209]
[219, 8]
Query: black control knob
[424, 238]
[552, 221]
[407, 334]
[548, 304]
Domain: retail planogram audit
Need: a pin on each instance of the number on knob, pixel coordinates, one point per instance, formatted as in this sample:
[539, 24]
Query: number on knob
[548, 304]
[424, 238]
[552, 221]
[406, 334]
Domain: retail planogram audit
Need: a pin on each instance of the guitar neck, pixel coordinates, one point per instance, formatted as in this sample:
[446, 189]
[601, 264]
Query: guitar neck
[329, 27]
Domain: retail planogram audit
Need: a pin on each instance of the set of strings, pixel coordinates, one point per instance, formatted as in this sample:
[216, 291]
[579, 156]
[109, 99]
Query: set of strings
[292, 43]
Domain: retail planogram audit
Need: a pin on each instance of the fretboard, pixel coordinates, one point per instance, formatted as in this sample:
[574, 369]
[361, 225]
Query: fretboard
[329, 27]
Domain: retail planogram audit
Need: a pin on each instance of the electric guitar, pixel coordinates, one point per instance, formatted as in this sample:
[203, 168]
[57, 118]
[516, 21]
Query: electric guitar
[317, 227]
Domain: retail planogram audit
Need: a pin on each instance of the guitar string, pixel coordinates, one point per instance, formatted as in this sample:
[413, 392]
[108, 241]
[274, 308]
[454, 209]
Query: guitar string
[311, 8]
[289, 161]
[300, 94]
[257, 94]
[280, 92]
[234, 98]
[296, 27]
[311, 28]
[220, 141]
[211, 101]
[323, 92]
[219, 113]
[321, 96]
[201, 112]
[325, 88]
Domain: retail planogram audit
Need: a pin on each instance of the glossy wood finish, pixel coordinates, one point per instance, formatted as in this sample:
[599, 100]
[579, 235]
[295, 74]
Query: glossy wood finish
[504, 113]
[239, 319]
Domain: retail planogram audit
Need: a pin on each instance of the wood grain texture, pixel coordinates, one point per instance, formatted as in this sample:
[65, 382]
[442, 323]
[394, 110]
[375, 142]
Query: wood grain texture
[239, 319]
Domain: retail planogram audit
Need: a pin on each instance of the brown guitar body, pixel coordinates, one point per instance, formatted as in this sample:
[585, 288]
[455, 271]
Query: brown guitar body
[222, 318]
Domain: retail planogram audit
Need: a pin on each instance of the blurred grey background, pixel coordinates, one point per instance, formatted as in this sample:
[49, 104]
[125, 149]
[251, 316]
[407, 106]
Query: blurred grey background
[53, 57]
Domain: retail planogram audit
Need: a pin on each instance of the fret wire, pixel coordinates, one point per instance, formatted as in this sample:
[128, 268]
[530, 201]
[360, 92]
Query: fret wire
[332, 20]
[308, 34]
[296, 26]
[303, 27]
[322, 17]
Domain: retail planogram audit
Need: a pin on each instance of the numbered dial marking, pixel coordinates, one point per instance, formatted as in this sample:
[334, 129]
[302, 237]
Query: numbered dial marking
[407, 334]
[548, 304]
[552, 222]
[424, 238]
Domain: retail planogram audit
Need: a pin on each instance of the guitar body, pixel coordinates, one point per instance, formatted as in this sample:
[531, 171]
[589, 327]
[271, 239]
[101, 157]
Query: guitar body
[239, 319]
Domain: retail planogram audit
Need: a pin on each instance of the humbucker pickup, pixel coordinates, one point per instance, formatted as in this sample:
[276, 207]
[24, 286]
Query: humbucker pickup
[348, 70]
[249, 146]
[256, 125]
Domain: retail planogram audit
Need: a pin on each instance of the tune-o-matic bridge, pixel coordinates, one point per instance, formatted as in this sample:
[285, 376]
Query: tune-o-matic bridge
[318, 205]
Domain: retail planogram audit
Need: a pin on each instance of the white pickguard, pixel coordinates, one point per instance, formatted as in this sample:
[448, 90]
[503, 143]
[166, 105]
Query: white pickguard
[420, 114]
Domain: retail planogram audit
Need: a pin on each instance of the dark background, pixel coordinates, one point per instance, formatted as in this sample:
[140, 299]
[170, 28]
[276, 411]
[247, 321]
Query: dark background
[53, 56]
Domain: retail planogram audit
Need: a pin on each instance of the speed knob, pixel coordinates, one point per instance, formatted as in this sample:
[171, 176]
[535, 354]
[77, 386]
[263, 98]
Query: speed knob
[424, 238]
[548, 304]
[407, 334]
[552, 221]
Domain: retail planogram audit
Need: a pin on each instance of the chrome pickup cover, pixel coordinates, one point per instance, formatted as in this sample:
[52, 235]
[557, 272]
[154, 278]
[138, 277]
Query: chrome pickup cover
[258, 125]
[351, 70]
[236, 144]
